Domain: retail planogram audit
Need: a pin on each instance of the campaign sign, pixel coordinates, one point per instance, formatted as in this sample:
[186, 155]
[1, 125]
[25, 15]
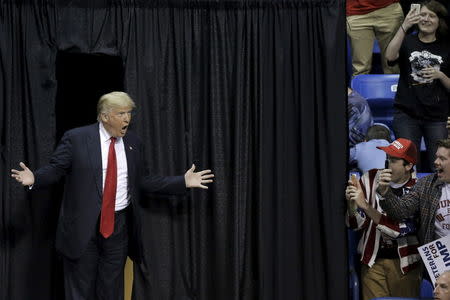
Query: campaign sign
[436, 257]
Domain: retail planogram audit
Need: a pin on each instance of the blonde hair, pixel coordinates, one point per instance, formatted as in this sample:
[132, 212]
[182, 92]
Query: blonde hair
[113, 100]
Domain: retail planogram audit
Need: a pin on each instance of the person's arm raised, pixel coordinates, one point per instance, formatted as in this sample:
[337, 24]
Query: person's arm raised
[356, 195]
[392, 50]
[384, 180]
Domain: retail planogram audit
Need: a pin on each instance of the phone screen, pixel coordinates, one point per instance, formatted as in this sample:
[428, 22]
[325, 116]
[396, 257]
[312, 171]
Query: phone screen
[415, 8]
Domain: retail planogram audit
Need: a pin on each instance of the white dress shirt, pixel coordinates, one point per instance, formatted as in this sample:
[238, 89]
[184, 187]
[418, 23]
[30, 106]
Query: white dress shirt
[122, 197]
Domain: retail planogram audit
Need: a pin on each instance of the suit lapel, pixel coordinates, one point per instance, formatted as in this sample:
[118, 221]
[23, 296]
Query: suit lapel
[95, 156]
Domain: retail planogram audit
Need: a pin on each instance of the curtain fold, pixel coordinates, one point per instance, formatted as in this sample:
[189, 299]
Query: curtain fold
[254, 90]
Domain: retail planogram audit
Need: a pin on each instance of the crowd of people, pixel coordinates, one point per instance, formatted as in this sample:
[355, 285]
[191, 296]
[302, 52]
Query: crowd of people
[393, 210]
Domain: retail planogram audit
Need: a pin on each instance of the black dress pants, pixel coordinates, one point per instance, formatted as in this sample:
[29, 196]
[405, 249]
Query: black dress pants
[98, 273]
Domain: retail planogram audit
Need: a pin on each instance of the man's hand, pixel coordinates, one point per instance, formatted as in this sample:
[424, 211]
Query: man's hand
[25, 177]
[351, 206]
[354, 194]
[197, 179]
[384, 178]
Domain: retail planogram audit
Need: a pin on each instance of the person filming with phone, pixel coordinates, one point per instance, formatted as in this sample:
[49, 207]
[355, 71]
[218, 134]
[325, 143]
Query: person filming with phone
[421, 49]
[388, 248]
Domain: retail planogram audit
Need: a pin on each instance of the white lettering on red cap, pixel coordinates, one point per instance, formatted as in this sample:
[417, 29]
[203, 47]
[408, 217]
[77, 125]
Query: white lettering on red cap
[397, 145]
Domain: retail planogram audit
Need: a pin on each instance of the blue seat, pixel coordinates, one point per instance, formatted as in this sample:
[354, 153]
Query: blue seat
[426, 289]
[379, 90]
[376, 86]
[376, 47]
[420, 175]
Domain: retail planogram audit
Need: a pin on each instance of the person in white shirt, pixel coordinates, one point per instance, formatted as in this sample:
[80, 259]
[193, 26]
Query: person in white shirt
[105, 172]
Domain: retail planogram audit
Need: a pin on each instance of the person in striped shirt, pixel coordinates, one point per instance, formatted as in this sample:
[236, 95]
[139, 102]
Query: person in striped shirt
[389, 256]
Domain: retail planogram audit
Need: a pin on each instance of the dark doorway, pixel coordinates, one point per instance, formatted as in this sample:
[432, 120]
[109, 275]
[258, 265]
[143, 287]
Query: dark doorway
[82, 79]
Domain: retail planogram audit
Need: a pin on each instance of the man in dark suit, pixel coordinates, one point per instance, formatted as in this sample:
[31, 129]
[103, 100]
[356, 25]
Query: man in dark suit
[105, 173]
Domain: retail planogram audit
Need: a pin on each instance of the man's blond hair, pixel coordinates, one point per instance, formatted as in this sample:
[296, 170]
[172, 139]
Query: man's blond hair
[113, 100]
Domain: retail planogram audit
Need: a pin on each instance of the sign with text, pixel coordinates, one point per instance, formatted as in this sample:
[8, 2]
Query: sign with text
[436, 257]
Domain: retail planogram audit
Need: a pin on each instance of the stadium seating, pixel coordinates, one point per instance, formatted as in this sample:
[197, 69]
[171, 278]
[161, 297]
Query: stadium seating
[376, 86]
[426, 289]
[379, 90]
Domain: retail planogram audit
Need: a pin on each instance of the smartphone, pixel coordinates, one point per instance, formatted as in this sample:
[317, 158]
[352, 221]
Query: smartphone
[354, 177]
[386, 164]
[415, 8]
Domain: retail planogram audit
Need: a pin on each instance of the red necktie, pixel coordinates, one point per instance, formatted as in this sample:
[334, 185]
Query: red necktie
[109, 193]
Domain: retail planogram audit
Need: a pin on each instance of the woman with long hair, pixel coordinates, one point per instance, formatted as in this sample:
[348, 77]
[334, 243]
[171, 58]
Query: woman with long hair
[422, 100]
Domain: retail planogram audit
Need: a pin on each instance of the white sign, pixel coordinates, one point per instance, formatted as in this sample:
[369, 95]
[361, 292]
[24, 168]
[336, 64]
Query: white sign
[436, 257]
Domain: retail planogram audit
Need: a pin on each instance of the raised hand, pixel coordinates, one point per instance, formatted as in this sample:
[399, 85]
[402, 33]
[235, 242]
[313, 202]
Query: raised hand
[384, 178]
[411, 18]
[25, 177]
[355, 194]
[198, 179]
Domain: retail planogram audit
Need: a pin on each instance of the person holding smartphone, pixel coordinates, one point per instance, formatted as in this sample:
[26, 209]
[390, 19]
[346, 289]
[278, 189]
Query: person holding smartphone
[421, 49]
[389, 256]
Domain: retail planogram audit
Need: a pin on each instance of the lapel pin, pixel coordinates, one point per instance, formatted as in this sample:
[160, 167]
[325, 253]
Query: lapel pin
[131, 148]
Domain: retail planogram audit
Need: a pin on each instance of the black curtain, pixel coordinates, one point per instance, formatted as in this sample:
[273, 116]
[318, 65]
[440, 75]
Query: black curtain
[254, 90]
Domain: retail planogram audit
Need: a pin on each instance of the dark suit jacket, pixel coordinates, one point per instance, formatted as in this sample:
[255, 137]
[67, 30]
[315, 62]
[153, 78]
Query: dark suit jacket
[78, 158]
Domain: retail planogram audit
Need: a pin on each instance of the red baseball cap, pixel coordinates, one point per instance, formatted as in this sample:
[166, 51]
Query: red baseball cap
[402, 148]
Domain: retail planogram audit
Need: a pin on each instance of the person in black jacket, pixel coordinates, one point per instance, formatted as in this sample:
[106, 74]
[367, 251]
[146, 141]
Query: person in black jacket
[104, 173]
